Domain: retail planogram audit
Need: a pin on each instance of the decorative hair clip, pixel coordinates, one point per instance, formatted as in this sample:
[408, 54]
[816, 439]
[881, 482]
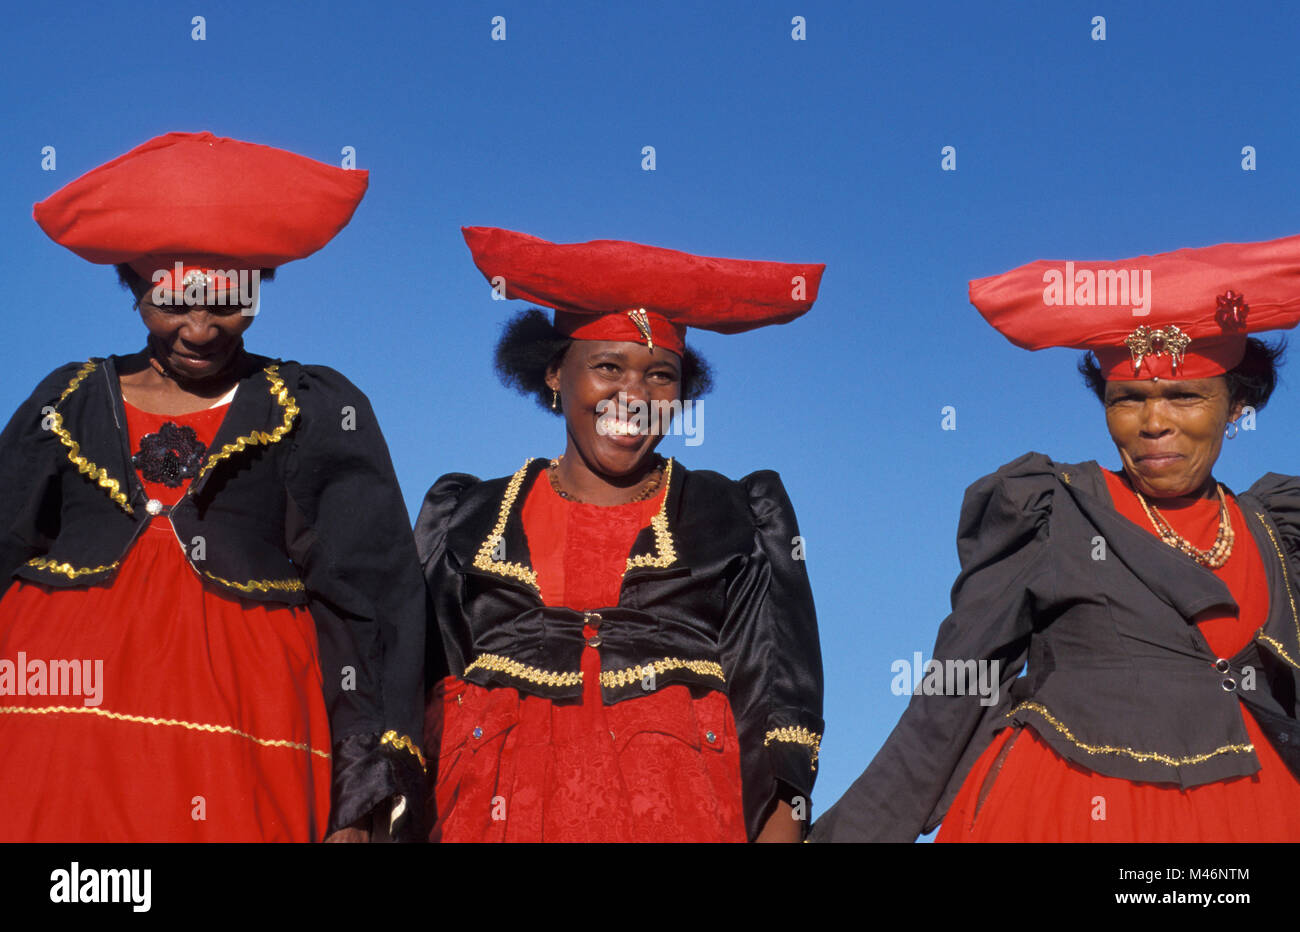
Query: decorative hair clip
[642, 324]
[1144, 342]
[1231, 313]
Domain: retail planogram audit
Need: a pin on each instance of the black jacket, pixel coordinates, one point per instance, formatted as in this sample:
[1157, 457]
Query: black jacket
[1119, 678]
[716, 596]
[292, 505]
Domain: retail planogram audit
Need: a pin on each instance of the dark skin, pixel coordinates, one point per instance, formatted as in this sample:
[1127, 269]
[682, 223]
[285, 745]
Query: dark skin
[610, 469]
[196, 355]
[1169, 433]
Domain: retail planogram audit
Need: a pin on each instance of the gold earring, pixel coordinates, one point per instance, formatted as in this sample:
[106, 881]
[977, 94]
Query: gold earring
[555, 400]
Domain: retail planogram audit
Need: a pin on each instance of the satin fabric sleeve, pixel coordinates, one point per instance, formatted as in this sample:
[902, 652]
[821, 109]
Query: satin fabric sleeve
[1003, 541]
[443, 587]
[772, 659]
[30, 497]
[1280, 494]
[349, 533]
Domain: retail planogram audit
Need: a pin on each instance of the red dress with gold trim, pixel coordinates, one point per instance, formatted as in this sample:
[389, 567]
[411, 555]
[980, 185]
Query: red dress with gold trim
[1033, 794]
[203, 717]
[521, 768]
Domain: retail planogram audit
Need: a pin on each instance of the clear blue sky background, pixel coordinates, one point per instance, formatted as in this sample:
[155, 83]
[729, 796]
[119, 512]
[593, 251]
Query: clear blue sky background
[822, 150]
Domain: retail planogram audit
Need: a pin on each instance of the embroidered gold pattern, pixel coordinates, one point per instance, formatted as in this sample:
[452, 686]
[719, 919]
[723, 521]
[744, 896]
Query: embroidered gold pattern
[67, 569]
[152, 720]
[1066, 477]
[666, 551]
[1140, 756]
[483, 559]
[612, 678]
[796, 734]
[85, 466]
[519, 671]
[404, 743]
[259, 585]
[284, 399]
[1286, 584]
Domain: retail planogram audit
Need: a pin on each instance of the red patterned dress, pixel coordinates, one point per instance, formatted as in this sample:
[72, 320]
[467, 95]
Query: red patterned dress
[526, 769]
[1033, 794]
[207, 722]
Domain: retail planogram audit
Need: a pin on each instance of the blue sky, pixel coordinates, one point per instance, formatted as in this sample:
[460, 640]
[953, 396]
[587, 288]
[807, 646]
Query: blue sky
[826, 149]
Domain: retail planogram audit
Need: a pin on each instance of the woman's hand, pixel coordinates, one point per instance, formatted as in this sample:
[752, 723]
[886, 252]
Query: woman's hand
[781, 826]
[356, 833]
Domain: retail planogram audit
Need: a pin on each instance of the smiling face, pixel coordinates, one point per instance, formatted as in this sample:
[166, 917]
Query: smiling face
[194, 343]
[1169, 432]
[589, 380]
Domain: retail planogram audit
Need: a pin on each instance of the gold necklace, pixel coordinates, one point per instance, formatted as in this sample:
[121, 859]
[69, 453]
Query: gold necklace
[641, 496]
[1217, 555]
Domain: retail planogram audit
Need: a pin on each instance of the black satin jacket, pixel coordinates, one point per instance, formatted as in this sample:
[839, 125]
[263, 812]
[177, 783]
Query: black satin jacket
[715, 596]
[1119, 678]
[296, 502]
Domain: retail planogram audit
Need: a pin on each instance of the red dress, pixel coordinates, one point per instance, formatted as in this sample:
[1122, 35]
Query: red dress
[521, 768]
[206, 722]
[1034, 794]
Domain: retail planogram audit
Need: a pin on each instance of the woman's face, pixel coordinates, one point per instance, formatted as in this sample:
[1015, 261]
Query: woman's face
[614, 438]
[194, 342]
[1169, 432]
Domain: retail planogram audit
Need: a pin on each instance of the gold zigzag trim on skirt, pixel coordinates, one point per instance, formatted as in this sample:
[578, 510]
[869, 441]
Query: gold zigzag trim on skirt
[483, 559]
[153, 720]
[67, 569]
[1143, 757]
[84, 466]
[665, 550]
[613, 678]
[284, 399]
[520, 671]
[404, 743]
[259, 585]
[796, 734]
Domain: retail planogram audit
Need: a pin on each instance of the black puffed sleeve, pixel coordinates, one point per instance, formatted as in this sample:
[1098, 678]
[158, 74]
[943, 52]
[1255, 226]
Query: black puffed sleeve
[1003, 542]
[349, 533]
[30, 454]
[772, 659]
[445, 613]
[1280, 494]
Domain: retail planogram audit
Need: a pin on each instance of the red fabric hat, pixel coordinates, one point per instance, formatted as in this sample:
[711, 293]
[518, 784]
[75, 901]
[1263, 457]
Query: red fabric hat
[614, 290]
[1177, 315]
[206, 202]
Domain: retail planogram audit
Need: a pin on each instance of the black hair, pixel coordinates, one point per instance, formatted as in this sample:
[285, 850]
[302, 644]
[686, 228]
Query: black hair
[1251, 382]
[530, 346]
[137, 284]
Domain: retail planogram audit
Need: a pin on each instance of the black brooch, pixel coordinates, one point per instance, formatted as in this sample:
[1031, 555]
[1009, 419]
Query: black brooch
[171, 456]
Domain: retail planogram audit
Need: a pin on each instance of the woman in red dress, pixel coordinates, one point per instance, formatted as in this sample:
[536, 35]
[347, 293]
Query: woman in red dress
[200, 640]
[631, 646]
[1153, 612]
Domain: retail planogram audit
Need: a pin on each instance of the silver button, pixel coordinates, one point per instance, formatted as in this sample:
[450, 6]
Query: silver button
[593, 641]
[1222, 665]
[1229, 684]
[153, 506]
[478, 732]
[592, 618]
[710, 737]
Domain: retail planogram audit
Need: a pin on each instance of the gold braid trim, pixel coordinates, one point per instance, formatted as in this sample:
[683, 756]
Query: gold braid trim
[1140, 756]
[85, 466]
[514, 668]
[1286, 580]
[67, 569]
[151, 720]
[796, 734]
[613, 678]
[666, 553]
[284, 399]
[483, 559]
[404, 743]
[259, 585]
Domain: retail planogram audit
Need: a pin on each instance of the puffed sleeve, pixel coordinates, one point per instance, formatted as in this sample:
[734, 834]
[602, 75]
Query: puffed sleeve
[29, 491]
[349, 533]
[772, 659]
[1003, 542]
[444, 592]
[1280, 494]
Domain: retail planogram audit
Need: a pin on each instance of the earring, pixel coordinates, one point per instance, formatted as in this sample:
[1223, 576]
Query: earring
[1231, 430]
[555, 400]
